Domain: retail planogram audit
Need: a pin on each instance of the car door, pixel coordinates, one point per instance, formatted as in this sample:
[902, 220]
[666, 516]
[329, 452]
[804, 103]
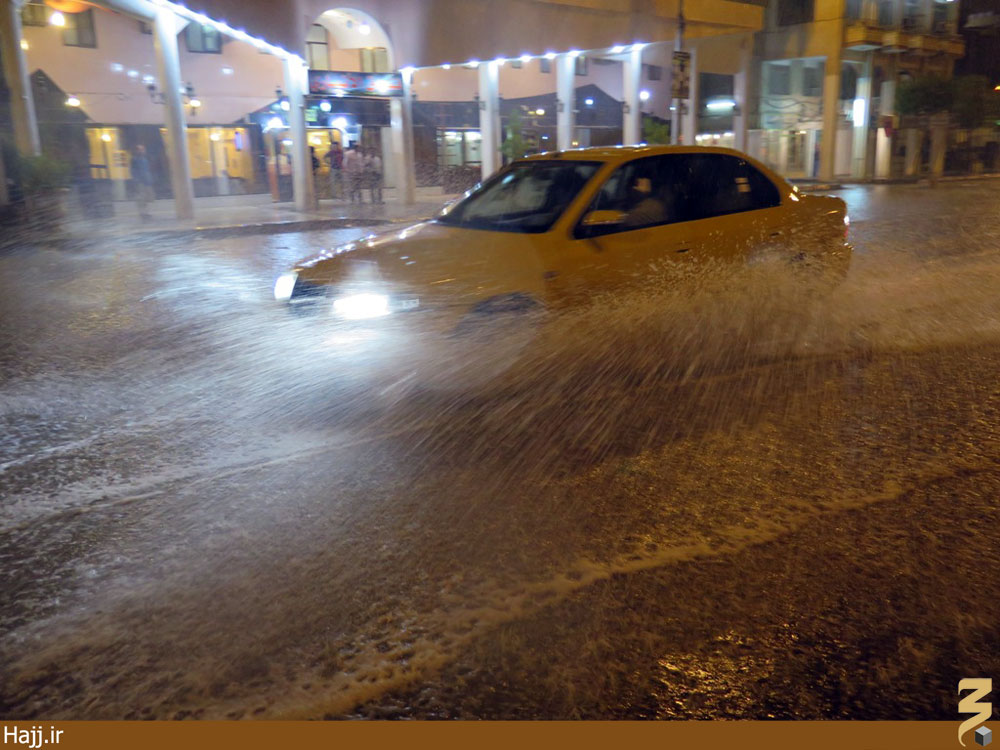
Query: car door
[732, 205]
[645, 235]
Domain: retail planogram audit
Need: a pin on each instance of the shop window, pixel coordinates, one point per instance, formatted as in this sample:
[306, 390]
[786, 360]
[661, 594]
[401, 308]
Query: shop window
[375, 60]
[201, 38]
[654, 72]
[79, 29]
[145, 28]
[848, 82]
[795, 11]
[317, 48]
[581, 65]
[778, 80]
[812, 81]
[34, 14]
[544, 65]
[516, 64]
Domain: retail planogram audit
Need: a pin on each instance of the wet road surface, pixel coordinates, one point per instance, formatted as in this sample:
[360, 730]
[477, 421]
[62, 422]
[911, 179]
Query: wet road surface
[751, 504]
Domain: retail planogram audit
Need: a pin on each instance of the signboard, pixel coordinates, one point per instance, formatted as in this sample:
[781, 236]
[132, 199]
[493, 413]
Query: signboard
[681, 75]
[349, 83]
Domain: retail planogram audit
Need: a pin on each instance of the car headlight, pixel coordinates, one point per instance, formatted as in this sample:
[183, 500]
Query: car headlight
[361, 306]
[284, 285]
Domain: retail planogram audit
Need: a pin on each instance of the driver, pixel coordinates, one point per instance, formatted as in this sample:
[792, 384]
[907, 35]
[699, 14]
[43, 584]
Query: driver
[646, 209]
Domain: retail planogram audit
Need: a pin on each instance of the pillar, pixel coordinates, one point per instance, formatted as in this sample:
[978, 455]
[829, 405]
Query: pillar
[912, 167]
[693, 103]
[883, 142]
[15, 71]
[741, 114]
[631, 108]
[296, 82]
[565, 101]
[401, 121]
[489, 116]
[831, 117]
[861, 116]
[166, 25]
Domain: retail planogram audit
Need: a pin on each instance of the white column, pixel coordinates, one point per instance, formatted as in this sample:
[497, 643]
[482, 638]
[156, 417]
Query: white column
[565, 101]
[166, 25]
[401, 121]
[631, 107]
[939, 145]
[693, 104]
[831, 117]
[861, 115]
[741, 95]
[296, 82]
[912, 168]
[15, 71]
[489, 116]
[883, 143]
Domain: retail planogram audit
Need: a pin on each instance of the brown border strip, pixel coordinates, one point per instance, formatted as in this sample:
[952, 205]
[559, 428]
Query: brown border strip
[804, 735]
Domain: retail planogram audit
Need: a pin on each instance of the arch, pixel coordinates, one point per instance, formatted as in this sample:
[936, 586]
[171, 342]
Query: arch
[350, 28]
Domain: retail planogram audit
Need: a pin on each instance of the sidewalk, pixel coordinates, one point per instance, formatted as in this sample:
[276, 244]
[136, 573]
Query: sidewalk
[815, 186]
[251, 214]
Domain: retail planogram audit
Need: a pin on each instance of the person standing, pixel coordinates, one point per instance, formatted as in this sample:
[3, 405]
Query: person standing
[375, 176]
[335, 158]
[353, 174]
[142, 180]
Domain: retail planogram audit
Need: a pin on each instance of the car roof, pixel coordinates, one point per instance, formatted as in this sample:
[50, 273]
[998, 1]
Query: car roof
[622, 154]
[626, 153]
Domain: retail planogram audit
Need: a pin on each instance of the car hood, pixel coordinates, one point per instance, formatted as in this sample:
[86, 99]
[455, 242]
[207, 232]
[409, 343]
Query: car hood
[449, 264]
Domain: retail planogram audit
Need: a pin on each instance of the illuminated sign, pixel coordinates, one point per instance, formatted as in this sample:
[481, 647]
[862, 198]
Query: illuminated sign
[344, 83]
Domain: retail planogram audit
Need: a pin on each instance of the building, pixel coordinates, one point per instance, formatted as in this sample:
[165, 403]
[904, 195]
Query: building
[828, 71]
[229, 96]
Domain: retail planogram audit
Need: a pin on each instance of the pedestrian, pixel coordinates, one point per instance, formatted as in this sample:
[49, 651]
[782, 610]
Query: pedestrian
[142, 180]
[354, 174]
[374, 165]
[335, 158]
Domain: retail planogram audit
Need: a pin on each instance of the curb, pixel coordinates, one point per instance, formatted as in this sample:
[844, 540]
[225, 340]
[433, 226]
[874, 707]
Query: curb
[273, 227]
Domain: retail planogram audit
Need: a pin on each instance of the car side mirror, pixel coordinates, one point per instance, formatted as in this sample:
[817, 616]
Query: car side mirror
[596, 223]
[603, 218]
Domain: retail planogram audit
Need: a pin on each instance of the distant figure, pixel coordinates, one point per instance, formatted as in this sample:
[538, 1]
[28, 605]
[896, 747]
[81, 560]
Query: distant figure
[373, 168]
[142, 177]
[335, 158]
[314, 159]
[354, 169]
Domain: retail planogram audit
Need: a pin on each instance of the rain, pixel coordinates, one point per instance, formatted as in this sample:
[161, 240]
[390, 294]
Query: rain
[736, 495]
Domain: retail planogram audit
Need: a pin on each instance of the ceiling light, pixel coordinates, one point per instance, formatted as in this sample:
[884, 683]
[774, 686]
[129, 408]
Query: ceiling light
[57, 19]
[72, 101]
[364, 29]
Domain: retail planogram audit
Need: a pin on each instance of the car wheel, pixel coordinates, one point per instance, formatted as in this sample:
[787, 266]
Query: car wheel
[488, 346]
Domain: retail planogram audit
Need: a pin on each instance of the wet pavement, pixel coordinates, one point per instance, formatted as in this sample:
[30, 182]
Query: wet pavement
[763, 502]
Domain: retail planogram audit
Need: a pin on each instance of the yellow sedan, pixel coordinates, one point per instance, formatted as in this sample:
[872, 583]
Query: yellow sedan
[554, 229]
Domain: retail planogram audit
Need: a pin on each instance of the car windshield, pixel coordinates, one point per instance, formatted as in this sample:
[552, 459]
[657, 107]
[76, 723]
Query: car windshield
[526, 197]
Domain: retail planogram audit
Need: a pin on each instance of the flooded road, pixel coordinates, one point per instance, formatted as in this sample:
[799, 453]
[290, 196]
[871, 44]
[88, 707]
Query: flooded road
[755, 501]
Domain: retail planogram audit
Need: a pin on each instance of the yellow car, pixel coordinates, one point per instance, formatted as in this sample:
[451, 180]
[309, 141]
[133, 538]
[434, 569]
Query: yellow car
[551, 230]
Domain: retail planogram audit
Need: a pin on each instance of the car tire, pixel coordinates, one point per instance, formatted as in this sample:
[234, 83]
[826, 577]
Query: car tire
[488, 346]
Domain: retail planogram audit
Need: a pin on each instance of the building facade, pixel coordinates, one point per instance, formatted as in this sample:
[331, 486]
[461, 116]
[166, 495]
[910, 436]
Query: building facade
[827, 77]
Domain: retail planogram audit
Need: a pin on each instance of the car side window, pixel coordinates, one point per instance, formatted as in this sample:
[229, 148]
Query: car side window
[643, 191]
[721, 184]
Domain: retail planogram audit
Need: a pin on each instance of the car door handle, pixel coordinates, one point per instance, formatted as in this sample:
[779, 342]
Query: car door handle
[683, 249]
